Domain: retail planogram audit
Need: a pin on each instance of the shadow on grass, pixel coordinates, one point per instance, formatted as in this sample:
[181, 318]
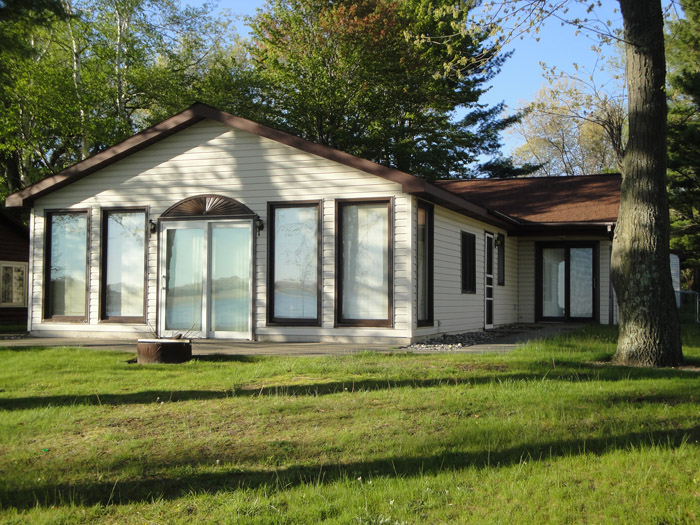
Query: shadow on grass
[28, 349]
[146, 397]
[560, 370]
[223, 358]
[46, 494]
[606, 371]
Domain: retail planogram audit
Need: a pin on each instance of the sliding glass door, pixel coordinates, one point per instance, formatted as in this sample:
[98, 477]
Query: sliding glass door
[566, 281]
[206, 277]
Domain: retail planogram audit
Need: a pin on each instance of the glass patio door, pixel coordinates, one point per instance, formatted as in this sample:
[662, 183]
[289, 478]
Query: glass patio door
[567, 283]
[206, 279]
[554, 283]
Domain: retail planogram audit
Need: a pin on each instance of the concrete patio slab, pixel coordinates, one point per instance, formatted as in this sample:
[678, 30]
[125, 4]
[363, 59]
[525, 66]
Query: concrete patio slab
[508, 339]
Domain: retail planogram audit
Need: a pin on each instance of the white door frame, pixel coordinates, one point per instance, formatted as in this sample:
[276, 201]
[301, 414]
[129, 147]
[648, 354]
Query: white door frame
[206, 226]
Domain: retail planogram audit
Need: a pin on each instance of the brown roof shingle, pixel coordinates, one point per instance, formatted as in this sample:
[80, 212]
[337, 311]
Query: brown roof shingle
[584, 198]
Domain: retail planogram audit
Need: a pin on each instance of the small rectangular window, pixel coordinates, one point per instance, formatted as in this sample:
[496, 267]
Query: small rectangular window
[13, 284]
[501, 243]
[468, 263]
[123, 264]
[66, 266]
[365, 294]
[294, 295]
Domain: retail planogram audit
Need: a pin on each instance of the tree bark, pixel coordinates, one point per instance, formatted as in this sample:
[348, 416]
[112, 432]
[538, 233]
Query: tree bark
[12, 171]
[77, 65]
[640, 269]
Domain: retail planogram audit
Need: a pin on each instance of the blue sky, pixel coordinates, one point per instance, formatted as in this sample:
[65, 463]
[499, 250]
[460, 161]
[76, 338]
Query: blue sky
[521, 76]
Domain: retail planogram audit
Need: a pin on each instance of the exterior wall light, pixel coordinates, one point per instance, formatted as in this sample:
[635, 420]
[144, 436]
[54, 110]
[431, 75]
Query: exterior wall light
[259, 224]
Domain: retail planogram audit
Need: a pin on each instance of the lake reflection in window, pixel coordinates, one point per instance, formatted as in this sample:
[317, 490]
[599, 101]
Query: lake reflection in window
[68, 264]
[125, 272]
[296, 262]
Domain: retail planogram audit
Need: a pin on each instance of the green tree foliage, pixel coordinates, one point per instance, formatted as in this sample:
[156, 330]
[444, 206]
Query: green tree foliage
[18, 18]
[81, 75]
[19, 21]
[571, 128]
[358, 76]
[683, 55]
[90, 79]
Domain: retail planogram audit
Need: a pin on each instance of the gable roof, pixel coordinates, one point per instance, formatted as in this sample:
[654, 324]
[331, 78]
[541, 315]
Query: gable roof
[512, 204]
[592, 199]
[198, 112]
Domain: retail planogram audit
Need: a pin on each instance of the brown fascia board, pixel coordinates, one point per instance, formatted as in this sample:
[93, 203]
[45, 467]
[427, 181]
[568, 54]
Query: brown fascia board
[145, 138]
[565, 228]
[410, 184]
[456, 203]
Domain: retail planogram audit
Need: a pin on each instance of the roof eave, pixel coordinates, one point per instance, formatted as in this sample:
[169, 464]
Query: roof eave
[449, 200]
[24, 198]
[410, 184]
[565, 228]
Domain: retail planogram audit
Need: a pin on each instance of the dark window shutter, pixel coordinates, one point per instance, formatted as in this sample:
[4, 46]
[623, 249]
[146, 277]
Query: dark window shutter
[468, 263]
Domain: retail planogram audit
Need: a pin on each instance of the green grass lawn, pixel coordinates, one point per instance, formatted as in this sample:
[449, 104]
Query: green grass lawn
[548, 433]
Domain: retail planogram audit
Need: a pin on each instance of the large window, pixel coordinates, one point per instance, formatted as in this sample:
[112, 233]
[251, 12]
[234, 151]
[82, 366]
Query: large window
[65, 296]
[364, 271]
[468, 263]
[425, 264]
[123, 264]
[294, 295]
[13, 284]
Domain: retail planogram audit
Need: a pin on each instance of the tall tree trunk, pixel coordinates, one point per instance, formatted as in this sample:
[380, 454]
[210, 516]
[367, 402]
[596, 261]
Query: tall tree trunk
[640, 270]
[77, 63]
[123, 21]
[13, 173]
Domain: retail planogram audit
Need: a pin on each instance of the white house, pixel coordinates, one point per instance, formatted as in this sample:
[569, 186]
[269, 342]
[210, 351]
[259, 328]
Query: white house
[214, 226]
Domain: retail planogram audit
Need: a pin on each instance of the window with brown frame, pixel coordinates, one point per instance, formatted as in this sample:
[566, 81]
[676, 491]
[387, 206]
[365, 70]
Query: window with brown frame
[468, 262]
[123, 275]
[425, 264]
[364, 258]
[294, 273]
[66, 266]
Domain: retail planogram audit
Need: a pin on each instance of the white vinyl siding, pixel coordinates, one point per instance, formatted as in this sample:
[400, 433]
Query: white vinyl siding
[211, 158]
[455, 311]
[505, 309]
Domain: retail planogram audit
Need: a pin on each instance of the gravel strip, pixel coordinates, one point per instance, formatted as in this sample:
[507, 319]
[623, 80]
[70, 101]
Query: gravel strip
[447, 342]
